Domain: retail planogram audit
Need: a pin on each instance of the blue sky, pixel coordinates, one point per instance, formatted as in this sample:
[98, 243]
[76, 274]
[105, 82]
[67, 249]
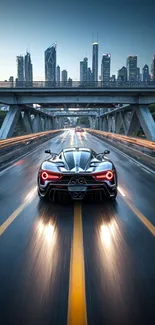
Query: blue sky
[124, 28]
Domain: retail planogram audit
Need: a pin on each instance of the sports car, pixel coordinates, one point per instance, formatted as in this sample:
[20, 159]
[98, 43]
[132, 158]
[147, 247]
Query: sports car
[79, 130]
[78, 172]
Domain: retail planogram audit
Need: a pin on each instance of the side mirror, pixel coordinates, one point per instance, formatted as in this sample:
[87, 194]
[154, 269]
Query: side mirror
[106, 152]
[48, 151]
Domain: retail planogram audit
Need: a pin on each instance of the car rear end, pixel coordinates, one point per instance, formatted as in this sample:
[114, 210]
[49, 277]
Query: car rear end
[77, 185]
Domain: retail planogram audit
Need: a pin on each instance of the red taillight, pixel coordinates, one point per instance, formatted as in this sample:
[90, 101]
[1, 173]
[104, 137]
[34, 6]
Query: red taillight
[107, 175]
[45, 175]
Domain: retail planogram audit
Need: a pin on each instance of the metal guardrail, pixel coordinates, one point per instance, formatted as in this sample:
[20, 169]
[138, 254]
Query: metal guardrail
[113, 136]
[24, 138]
[76, 84]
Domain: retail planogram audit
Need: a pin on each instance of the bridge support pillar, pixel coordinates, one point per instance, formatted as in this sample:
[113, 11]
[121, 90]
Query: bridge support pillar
[36, 123]
[109, 123]
[90, 122]
[146, 121]
[46, 124]
[105, 124]
[134, 124]
[28, 122]
[10, 122]
[100, 123]
[118, 122]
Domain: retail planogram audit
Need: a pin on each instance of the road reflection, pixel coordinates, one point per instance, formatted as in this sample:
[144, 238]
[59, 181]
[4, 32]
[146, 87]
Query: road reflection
[107, 233]
[42, 258]
[42, 252]
[114, 267]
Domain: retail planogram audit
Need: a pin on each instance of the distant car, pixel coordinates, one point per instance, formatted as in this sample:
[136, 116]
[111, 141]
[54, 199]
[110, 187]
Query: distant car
[77, 171]
[79, 130]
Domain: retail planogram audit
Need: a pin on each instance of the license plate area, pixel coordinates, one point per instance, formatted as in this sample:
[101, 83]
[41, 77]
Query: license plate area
[77, 188]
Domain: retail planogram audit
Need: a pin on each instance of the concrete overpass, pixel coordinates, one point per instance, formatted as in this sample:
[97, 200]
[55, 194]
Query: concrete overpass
[134, 100]
[77, 97]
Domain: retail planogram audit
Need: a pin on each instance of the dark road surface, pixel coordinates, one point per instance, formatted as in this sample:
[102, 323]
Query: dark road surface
[116, 242]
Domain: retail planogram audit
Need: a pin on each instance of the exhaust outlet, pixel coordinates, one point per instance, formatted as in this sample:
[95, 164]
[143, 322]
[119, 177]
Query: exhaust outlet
[75, 194]
[80, 195]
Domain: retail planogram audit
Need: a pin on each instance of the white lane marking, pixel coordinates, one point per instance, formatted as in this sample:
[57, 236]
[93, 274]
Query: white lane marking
[121, 191]
[145, 170]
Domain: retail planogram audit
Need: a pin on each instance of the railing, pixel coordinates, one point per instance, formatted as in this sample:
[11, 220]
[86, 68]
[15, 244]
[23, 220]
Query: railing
[24, 138]
[123, 138]
[76, 84]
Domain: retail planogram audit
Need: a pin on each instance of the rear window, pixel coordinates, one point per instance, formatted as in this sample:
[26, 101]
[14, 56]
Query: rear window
[79, 158]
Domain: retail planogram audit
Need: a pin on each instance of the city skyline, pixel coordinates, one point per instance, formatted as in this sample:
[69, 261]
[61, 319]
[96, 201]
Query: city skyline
[89, 65]
[122, 30]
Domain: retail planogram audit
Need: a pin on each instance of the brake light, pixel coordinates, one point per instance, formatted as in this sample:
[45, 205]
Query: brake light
[107, 175]
[46, 175]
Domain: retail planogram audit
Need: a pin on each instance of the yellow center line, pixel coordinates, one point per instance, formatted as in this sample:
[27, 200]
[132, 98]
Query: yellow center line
[77, 313]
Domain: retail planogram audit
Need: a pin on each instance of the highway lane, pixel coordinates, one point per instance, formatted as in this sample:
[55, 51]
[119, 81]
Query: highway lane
[35, 249]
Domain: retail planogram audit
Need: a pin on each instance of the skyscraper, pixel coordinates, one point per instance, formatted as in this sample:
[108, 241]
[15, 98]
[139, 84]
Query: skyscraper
[132, 68]
[50, 64]
[83, 70]
[146, 74]
[28, 69]
[138, 75]
[20, 69]
[64, 77]
[153, 69]
[105, 68]
[122, 74]
[95, 61]
[58, 75]
[89, 75]
[11, 79]
[70, 82]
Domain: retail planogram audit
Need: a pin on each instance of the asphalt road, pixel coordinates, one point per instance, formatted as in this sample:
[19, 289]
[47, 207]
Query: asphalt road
[49, 252]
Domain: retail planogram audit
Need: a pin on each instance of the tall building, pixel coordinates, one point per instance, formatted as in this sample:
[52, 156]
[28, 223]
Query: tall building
[58, 75]
[146, 74]
[113, 78]
[89, 75]
[20, 69]
[122, 74]
[153, 69]
[64, 77]
[95, 61]
[11, 80]
[70, 82]
[50, 64]
[138, 75]
[83, 70]
[105, 68]
[132, 68]
[28, 69]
